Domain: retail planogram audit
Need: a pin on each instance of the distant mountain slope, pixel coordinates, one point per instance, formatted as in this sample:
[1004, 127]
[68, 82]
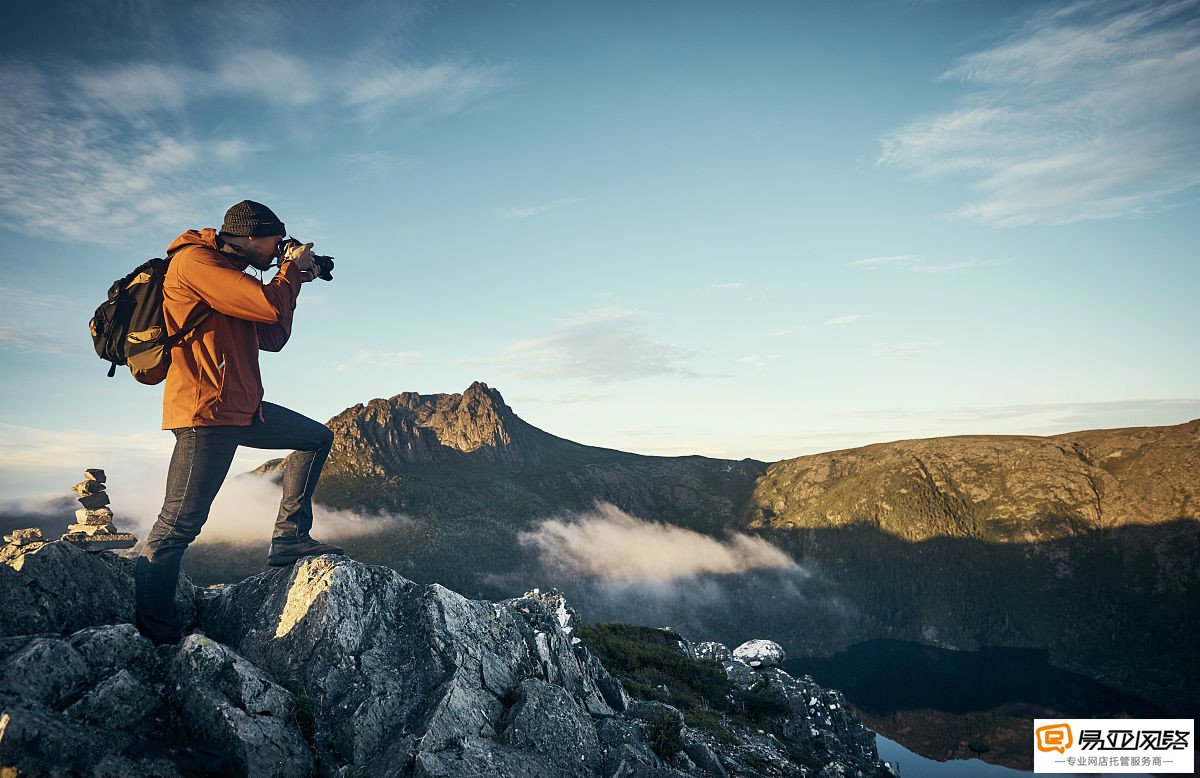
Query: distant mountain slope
[474, 475]
[1085, 544]
[992, 488]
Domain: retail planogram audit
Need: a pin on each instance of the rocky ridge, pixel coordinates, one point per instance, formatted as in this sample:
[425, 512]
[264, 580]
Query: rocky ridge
[996, 488]
[336, 668]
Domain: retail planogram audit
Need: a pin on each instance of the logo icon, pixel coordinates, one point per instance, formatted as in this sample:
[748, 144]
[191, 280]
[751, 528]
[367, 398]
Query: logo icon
[1054, 737]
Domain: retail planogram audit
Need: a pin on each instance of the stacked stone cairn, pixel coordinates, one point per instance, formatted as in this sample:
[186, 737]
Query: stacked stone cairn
[93, 528]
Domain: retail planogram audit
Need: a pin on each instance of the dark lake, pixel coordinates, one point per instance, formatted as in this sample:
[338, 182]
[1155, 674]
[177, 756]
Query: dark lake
[943, 713]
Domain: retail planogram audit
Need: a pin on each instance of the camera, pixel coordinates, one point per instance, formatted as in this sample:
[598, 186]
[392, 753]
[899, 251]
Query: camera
[323, 265]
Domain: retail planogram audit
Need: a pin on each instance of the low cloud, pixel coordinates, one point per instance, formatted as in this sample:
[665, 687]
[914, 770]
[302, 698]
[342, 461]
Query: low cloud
[605, 345]
[243, 512]
[730, 285]
[1088, 111]
[611, 545]
[616, 567]
[838, 321]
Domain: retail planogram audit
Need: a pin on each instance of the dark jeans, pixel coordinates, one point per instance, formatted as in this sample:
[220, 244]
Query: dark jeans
[198, 468]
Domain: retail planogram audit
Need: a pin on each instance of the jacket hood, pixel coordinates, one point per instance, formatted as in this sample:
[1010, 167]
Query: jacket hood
[206, 238]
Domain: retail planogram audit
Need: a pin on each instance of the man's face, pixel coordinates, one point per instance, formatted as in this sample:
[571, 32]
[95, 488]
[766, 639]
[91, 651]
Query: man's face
[264, 248]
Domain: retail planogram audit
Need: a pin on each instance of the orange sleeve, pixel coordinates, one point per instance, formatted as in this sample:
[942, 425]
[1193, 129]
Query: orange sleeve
[234, 293]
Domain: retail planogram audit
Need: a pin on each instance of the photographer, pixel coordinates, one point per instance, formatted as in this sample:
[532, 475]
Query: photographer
[213, 396]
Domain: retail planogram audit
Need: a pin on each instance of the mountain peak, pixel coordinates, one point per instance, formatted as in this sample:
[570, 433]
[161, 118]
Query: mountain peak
[411, 427]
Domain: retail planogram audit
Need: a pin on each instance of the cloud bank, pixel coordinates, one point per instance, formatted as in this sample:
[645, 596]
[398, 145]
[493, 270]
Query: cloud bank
[1089, 111]
[613, 546]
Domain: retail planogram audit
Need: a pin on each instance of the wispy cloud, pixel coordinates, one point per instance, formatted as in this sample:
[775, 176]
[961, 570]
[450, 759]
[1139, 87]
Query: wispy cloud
[904, 350]
[131, 145]
[912, 263]
[1029, 418]
[537, 210]
[603, 345]
[378, 164]
[55, 160]
[1089, 111]
[28, 322]
[443, 88]
[838, 321]
[757, 360]
[876, 261]
[377, 359]
[730, 285]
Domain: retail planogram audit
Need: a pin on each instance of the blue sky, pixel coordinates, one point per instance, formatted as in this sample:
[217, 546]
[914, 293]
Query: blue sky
[741, 230]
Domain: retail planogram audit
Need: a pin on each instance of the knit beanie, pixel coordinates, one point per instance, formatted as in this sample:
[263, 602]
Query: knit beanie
[250, 219]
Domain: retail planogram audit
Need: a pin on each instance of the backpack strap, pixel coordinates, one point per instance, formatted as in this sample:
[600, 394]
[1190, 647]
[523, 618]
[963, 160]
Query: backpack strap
[190, 323]
[195, 317]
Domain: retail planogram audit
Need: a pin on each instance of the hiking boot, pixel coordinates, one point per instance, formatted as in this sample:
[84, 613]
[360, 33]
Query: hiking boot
[284, 554]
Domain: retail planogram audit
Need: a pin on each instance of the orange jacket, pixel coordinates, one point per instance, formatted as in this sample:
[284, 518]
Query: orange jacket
[214, 377]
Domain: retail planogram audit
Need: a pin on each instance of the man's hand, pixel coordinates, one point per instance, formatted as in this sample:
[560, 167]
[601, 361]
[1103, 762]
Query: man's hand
[301, 254]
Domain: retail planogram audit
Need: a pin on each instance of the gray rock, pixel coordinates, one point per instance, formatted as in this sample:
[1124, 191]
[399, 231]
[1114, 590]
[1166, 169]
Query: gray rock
[100, 516]
[625, 747]
[110, 648]
[46, 671]
[58, 587]
[393, 669]
[335, 668]
[94, 501]
[759, 653]
[89, 529]
[547, 721]
[710, 651]
[120, 701]
[21, 537]
[118, 766]
[821, 716]
[38, 741]
[92, 541]
[475, 757]
[649, 710]
[224, 699]
[702, 755]
[88, 486]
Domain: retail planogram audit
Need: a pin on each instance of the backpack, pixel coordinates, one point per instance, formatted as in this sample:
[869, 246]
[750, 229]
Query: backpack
[129, 328]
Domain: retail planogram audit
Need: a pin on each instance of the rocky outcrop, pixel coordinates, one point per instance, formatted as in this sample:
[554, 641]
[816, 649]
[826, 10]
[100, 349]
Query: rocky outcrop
[336, 668]
[385, 434]
[993, 488]
[51, 586]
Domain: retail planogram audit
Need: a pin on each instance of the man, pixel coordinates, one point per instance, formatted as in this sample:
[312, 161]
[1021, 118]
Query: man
[213, 398]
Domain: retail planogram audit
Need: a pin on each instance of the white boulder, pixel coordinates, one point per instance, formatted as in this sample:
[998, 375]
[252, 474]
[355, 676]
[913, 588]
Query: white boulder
[760, 653]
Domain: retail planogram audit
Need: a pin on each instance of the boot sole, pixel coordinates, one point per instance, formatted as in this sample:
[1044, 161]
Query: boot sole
[277, 562]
